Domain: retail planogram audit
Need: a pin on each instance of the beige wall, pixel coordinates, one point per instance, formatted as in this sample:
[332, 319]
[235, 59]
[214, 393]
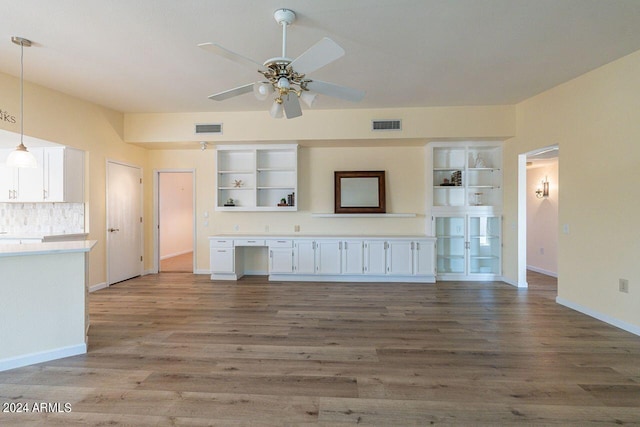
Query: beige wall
[56, 117]
[595, 120]
[542, 218]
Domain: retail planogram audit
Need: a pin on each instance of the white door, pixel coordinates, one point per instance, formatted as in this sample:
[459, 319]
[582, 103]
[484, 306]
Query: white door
[124, 222]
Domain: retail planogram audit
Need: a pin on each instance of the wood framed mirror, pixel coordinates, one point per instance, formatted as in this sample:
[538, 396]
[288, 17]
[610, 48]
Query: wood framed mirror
[359, 192]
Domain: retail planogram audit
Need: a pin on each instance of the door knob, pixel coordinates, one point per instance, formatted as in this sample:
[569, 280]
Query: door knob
[111, 230]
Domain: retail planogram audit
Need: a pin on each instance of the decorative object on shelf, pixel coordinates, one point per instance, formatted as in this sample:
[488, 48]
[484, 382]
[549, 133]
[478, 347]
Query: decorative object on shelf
[21, 157]
[477, 199]
[479, 162]
[456, 178]
[288, 78]
[544, 191]
[230, 202]
[291, 199]
[237, 183]
[447, 183]
[283, 202]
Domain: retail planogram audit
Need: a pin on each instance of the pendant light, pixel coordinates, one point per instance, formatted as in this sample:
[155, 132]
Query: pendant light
[21, 157]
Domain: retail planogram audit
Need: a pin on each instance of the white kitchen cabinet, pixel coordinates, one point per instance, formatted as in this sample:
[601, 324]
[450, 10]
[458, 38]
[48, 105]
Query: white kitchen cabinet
[328, 257]
[375, 257]
[352, 257]
[63, 175]
[280, 256]
[257, 177]
[424, 257]
[304, 256]
[21, 184]
[59, 177]
[399, 257]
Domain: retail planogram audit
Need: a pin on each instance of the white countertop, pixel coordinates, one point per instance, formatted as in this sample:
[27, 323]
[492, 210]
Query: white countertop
[42, 235]
[319, 236]
[46, 248]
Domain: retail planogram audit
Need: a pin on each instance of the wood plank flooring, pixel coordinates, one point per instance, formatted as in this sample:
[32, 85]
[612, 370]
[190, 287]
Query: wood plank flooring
[177, 264]
[179, 349]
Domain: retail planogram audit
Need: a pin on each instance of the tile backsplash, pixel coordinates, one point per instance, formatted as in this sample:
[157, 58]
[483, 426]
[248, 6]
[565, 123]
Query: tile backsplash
[18, 218]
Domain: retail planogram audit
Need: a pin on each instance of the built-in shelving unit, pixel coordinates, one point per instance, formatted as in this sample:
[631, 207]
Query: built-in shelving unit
[465, 206]
[257, 177]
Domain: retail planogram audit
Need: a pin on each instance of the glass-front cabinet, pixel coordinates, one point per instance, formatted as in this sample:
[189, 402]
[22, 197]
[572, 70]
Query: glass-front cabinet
[468, 247]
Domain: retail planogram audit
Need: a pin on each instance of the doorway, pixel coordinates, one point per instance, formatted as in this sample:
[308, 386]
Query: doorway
[538, 213]
[174, 201]
[124, 222]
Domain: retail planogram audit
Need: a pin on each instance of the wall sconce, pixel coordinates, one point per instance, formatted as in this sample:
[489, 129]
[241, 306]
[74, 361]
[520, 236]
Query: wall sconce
[544, 191]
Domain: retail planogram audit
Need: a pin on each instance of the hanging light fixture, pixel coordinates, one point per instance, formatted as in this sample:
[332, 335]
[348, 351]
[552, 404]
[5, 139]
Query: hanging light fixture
[543, 192]
[21, 157]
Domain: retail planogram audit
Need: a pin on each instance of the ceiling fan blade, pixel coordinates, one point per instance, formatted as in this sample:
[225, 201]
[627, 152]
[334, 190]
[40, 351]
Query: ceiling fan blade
[336, 91]
[226, 53]
[241, 90]
[317, 56]
[291, 106]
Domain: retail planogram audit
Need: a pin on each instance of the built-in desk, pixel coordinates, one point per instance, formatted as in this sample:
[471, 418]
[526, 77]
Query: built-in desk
[329, 258]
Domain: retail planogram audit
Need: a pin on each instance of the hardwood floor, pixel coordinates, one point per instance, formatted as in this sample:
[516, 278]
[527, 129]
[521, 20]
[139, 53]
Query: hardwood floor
[177, 264]
[178, 349]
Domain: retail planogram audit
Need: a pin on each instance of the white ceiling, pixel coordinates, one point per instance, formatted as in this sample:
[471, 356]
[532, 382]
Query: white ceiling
[142, 55]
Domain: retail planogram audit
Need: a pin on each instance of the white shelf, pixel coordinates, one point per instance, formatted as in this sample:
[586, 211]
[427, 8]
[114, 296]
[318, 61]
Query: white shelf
[269, 172]
[363, 215]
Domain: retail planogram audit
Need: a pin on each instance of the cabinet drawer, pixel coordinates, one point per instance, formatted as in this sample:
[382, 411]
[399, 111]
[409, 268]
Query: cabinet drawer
[280, 243]
[221, 243]
[248, 242]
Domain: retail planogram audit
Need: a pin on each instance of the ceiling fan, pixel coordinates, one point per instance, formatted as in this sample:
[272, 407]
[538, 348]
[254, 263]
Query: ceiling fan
[286, 78]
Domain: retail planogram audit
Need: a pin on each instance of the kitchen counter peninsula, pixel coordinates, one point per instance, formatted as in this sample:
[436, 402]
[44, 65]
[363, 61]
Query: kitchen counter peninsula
[43, 301]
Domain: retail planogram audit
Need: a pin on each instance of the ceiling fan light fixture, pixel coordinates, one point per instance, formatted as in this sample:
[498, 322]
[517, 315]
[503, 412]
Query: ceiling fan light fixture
[277, 110]
[262, 90]
[283, 83]
[21, 157]
[309, 98]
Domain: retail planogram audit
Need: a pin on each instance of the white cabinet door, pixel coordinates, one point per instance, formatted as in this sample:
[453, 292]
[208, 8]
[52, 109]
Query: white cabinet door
[304, 257]
[8, 179]
[328, 257]
[352, 257]
[424, 257]
[31, 181]
[280, 260]
[63, 175]
[222, 260]
[400, 258]
[375, 257]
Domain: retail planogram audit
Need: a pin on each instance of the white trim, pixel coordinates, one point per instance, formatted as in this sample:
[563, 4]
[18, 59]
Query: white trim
[597, 315]
[43, 356]
[201, 271]
[514, 283]
[522, 221]
[98, 287]
[350, 278]
[542, 271]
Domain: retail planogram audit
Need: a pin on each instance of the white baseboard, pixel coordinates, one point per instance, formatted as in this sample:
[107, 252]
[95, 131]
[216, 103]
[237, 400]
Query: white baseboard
[514, 283]
[98, 287]
[43, 356]
[597, 315]
[542, 271]
[188, 251]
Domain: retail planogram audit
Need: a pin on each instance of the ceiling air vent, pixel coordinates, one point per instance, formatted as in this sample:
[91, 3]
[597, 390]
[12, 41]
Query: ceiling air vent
[379, 125]
[208, 128]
